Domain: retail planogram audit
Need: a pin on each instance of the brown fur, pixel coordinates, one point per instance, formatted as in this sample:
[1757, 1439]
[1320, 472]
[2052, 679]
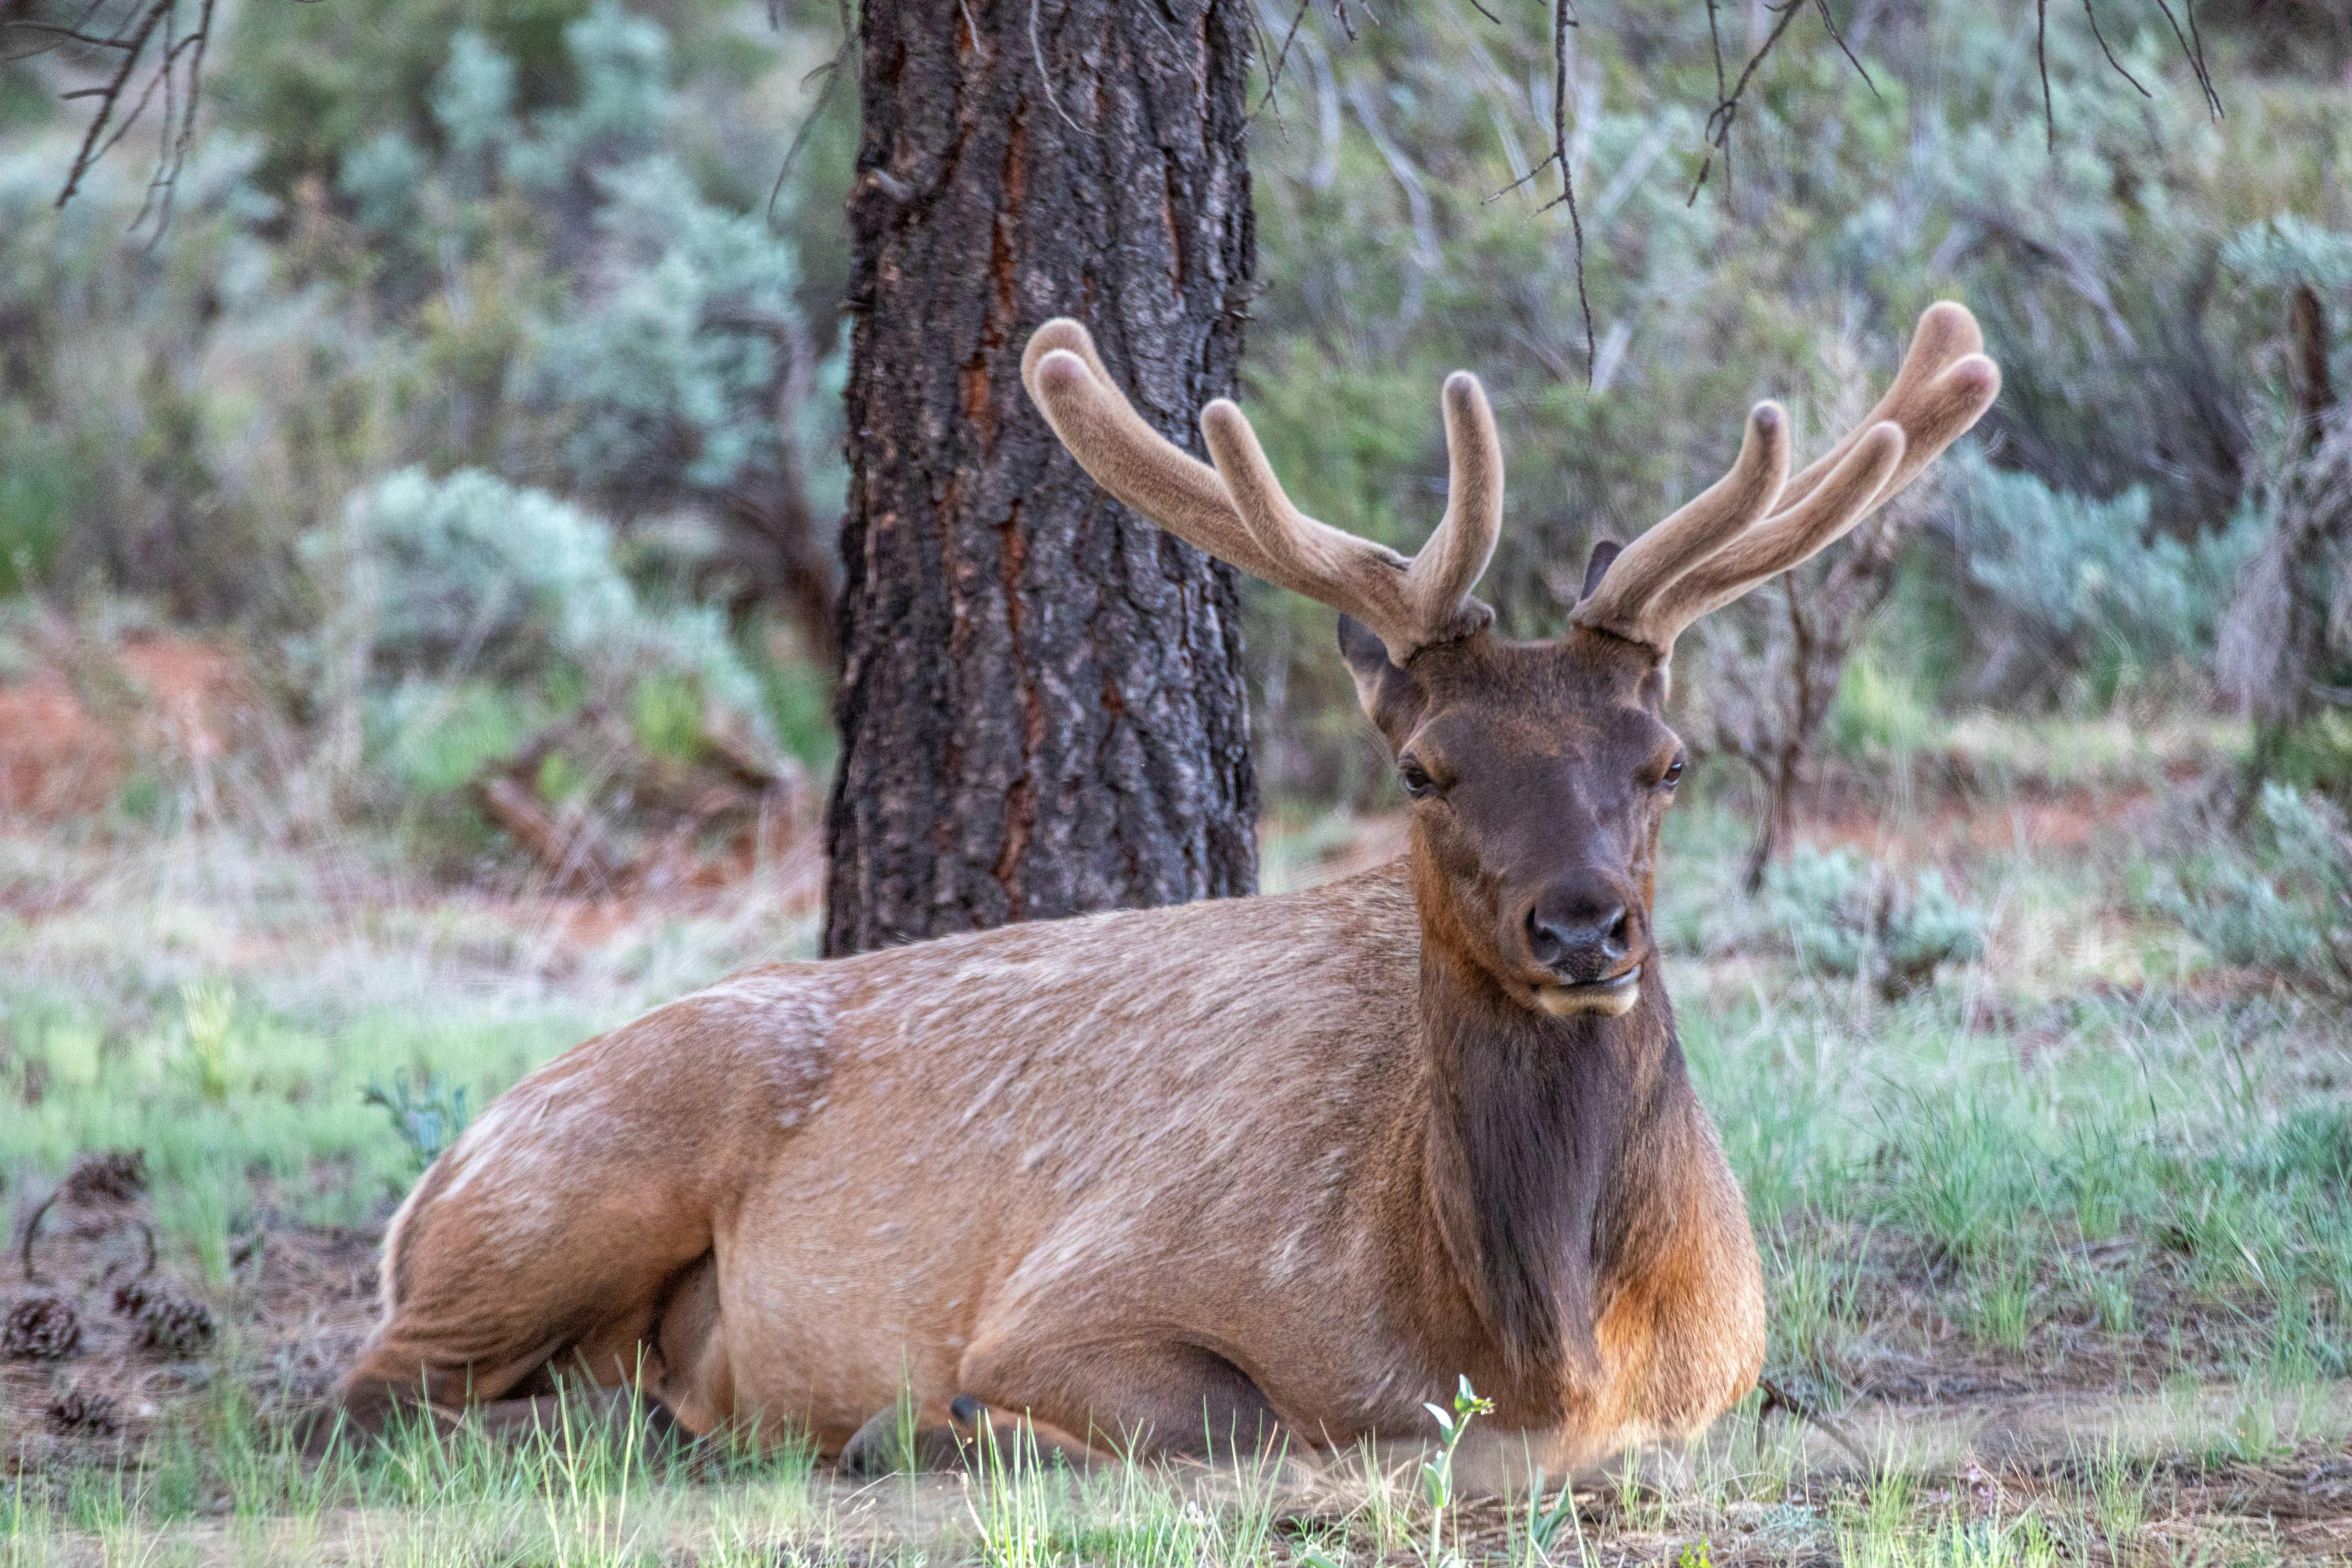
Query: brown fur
[1179, 1179]
[1296, 1162]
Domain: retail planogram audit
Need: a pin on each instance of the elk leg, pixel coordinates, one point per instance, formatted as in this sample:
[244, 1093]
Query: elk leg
[1166, 1400]
[589, 1415]
[950, 1438]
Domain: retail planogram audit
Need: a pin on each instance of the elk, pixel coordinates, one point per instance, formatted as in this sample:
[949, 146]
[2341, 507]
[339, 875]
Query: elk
[1254, 1170]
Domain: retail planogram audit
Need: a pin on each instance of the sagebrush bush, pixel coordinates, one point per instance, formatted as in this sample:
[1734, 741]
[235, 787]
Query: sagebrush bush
[446, 577]
[2071, 584]
[2275, 897]
[1850, 915]
[467, 610]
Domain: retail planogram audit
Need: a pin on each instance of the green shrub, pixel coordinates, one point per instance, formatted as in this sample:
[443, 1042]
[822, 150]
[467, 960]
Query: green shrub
[440, 579]
[2072, 585]
[37, 501]
[1880, 710]
[1851, 916]
[2278, 896]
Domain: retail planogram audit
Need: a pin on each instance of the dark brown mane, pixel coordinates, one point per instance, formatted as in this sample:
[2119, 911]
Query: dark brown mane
[1536, 1125]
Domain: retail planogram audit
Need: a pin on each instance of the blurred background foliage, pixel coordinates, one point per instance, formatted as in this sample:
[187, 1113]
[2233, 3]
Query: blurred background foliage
[483, 390]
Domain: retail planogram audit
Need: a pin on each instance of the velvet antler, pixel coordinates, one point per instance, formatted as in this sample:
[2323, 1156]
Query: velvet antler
[1748, 527]
[1238, 512]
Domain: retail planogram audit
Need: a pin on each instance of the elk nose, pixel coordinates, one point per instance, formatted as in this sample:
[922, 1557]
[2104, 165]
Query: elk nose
[1578, 939]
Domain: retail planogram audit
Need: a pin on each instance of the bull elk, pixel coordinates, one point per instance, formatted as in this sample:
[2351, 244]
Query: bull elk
[1284, 1167]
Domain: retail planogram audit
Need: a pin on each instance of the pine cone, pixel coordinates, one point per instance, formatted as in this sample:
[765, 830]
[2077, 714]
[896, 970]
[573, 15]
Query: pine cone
[80, 1415]
[106, 1176]
[40, 1328]
[170, 1321]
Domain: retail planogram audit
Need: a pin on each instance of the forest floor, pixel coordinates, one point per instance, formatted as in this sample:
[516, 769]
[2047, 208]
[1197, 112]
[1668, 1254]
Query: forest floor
[2056, 1238]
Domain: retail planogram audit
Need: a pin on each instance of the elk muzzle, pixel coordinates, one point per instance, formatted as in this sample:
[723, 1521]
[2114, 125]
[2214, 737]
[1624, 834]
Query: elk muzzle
[1586, 940]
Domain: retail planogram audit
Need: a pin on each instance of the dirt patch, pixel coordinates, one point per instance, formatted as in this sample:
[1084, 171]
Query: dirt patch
[56, 760]
[129, 1336]
[67, 742]
[1953, 824]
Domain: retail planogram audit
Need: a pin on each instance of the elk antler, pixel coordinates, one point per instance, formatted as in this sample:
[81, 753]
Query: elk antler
[1237, 511]
[1730, 537]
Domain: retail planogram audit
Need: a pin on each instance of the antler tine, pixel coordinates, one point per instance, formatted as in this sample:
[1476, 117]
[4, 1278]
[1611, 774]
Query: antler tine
[1067, 381]
[1407, 604]
[1701, 526]
[1946, 335]
[1456, 556]
[1933, 416]
[1944, 386]
[1239, 513]
[1306, 556]
[1836, 504]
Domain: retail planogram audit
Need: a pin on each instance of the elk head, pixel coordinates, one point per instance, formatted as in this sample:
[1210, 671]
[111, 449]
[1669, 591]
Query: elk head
[1540, 772]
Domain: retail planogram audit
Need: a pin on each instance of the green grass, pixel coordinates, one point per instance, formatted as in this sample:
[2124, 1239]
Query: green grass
[225, 1008]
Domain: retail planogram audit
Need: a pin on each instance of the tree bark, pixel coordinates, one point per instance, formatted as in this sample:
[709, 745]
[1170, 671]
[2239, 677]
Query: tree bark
[1041, 708]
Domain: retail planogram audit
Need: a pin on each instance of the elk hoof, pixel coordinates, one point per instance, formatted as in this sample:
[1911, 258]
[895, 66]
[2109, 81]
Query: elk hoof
[966, 1411]
[883, 1447]
[875, 1448]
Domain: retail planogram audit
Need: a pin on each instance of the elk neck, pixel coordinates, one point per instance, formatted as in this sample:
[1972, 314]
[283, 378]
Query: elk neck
[1544, 1171]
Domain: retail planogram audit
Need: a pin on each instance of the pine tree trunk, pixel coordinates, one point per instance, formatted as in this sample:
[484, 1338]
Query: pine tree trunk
[1041, 708]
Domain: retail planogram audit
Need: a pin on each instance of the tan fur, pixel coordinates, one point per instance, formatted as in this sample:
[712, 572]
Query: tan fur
[967, 1163]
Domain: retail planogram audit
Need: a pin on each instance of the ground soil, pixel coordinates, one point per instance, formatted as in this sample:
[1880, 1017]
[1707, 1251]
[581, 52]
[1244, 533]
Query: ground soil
[71, 731]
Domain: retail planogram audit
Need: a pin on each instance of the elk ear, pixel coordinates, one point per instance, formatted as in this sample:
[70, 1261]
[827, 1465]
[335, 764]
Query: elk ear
[1380, 684]
[1604, 550]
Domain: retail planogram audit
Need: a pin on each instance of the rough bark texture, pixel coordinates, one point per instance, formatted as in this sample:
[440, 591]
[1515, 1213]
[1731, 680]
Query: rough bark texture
[1041, 708]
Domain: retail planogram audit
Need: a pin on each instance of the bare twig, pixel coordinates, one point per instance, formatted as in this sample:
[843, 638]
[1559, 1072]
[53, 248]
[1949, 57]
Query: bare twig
[832, 70]
[1777, 1398]
[1830, 22]
[1727, 111]
[2104, 49]
[1563, 17]
[93, 146]
[1715, 44]
[2193, 45]
[2197, 53]
[2041, 58]
[1273, 73]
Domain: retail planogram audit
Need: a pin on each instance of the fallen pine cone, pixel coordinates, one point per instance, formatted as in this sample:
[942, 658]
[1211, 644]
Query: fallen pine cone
[80, 1415]
[106, 1176]
[170, 1321]
[40, 1328]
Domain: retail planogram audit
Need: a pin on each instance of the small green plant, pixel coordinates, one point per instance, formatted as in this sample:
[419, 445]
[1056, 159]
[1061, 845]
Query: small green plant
[2001, 1305]
[2115, 1496]
[429, 1116]
[2077, 586]
[1816, 1285]
[1013, 1513]
[1437, 1471]
[208, 1007]
[1541, 1526]
[2277, 896]
[1851, 916]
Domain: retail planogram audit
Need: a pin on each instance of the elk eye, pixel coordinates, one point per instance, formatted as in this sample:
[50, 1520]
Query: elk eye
[1674, 775]
[1415, 778]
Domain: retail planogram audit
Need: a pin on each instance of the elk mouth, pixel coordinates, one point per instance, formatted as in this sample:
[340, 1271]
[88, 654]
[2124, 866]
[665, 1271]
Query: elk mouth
[1610, 998]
